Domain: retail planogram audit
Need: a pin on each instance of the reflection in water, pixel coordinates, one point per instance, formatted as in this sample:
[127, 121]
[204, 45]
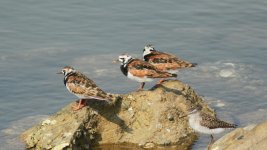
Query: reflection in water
[128, 146]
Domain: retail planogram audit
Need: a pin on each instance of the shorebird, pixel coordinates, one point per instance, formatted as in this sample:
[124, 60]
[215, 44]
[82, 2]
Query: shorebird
[207, 124]
[141, 71]
[83, 87]
[164, 61]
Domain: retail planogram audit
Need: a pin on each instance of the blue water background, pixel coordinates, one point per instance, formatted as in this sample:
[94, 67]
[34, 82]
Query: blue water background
[228, 40]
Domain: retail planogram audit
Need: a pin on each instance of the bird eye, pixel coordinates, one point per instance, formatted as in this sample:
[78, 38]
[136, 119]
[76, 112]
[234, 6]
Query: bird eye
[143, 50]
[63, 71]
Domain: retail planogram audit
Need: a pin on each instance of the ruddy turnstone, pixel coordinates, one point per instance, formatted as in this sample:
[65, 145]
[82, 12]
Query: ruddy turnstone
[140, 70]
[83, 87]
[205, 123]
[164, 61]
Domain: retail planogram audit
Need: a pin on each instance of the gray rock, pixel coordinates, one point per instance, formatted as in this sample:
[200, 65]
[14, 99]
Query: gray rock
[252, 137]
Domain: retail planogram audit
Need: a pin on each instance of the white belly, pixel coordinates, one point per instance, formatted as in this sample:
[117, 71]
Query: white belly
[172, 71]
[138, 79]
[194, 120]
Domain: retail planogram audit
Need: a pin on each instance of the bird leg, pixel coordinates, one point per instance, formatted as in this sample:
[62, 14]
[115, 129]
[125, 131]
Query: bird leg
[211, 142]
[81, 104]
[160, 81]
[212, 139]
[141, 88]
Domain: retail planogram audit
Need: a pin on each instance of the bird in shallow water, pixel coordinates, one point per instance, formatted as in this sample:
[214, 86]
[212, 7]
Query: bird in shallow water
[140, 70]
[207, 124]
[164, 61]
[83, 87]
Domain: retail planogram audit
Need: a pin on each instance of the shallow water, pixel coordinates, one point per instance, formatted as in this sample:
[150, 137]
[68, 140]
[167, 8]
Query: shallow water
[136, 147]
[226, 38]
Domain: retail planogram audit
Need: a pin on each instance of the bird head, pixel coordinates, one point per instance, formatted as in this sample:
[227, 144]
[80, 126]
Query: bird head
[124, 58]
[193, 110]
[67, 70]
[148, 49]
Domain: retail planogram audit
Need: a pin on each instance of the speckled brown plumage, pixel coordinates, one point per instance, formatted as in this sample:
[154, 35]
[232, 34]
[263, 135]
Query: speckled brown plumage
[83, 87]
[141, 71]
[165, 62]
[78, 83]
[141, 68]
[213, 122]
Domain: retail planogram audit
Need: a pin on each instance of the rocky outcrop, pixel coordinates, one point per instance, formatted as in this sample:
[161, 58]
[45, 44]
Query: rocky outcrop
[252, 137]
[145, 118]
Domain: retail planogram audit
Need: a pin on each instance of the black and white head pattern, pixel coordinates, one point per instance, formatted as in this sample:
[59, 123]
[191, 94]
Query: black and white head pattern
[125, 59]
[66, 71]
[148, 49]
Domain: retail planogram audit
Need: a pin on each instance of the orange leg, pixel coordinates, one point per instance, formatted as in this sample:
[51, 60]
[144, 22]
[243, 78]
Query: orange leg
[81, 104]
[161, 81]
[141, 88]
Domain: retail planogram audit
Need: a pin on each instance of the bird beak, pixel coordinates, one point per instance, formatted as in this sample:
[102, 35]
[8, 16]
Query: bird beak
[59, 73]
[183, 116]
[186, 115]
[115, 61]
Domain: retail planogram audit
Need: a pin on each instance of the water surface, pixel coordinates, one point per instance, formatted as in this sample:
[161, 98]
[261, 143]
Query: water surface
[226, 38]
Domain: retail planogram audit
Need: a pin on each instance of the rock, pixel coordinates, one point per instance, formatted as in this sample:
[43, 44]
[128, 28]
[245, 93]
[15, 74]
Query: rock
[149, 145]
[247, 138]
[145, 118]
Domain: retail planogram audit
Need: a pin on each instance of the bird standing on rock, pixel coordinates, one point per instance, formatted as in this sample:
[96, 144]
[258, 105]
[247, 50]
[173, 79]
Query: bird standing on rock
[164, 61]
[140, 70]
[83, 87]
[205, 123]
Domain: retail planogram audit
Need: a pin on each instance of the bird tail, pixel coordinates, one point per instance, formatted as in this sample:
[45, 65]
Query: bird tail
[174, 75]
[188, 65]
[193, 64]
[229, 125]
[233, 125]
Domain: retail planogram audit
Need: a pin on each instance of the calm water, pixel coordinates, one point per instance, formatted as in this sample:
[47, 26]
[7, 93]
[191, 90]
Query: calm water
[228, 39]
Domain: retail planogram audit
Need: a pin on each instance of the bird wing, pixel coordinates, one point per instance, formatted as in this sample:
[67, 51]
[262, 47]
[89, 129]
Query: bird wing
[165, 61]
[213, 123]
[80, 84]
[141, 68]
